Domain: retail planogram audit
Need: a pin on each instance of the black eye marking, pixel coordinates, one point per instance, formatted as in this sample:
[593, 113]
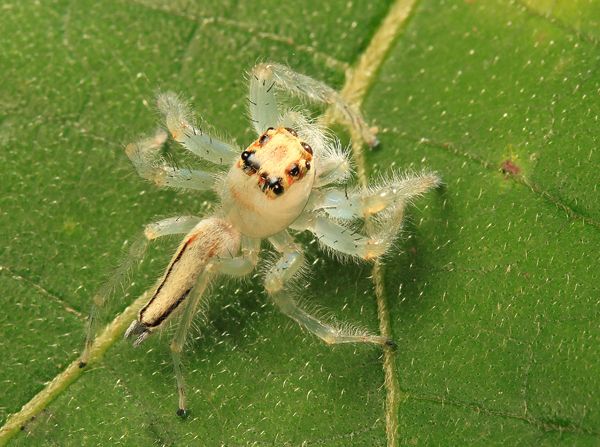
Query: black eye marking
[263, 139]
[292, 131]
[277, 187]
[294, 171]
[265, 136]
[274, 184]
[307, 148]
[249, 166]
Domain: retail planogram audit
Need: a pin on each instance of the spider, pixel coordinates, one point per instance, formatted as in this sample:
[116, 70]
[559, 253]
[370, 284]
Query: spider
[286, 182]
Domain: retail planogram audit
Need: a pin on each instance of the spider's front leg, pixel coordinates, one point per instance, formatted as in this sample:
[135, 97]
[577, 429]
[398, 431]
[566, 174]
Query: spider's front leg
[151, 166]
[265, 77]
[165, 227]
[178, 119]
[290, 263]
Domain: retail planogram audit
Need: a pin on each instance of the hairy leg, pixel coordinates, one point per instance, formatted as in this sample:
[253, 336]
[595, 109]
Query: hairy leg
[262, 101]
[271, 75]
[344, 240]
[285, 268]
[240, 265]
[151, 166]
[234, 266]
[365, 202]
[177, 118]
[178, 342]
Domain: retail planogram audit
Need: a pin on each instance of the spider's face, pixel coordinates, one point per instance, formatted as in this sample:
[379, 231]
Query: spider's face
[269, 185]
[277, 160]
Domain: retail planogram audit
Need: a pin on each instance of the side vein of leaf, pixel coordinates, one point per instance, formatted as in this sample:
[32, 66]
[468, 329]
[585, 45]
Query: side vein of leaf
[58, 300]
[543, 425]
[253, 30]
[529, 7]
[519, 179]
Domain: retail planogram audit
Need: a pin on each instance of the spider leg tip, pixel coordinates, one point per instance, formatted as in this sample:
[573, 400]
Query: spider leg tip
[375, 142]
[137, 330]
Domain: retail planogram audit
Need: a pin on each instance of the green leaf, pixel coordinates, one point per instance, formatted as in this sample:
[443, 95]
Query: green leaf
[492, 293]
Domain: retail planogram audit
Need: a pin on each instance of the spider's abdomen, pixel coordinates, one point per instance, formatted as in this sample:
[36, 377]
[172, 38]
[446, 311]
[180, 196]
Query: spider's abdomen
[210, 238]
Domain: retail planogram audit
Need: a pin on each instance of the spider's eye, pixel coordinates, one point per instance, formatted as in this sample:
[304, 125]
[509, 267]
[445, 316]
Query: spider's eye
[277, 188]
[245, 155]
[292, 131]
[307, 165]
[294, 171]
[265, 137]
[307, 148]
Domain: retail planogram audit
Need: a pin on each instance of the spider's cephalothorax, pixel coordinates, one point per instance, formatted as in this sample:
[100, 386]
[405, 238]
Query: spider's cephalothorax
[291, 179]
[268, 187]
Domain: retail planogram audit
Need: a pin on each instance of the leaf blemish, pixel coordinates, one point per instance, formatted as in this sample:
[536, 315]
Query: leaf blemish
[509, 167]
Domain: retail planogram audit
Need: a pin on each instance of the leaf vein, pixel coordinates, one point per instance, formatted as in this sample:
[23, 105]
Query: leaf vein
[555, 21]
[55, 298]
[250, 28]
[543, 424]
[354, 90]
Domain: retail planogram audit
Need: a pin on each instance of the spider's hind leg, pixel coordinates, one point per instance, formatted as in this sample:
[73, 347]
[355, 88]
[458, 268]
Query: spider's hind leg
[210, 248]
[178, 342]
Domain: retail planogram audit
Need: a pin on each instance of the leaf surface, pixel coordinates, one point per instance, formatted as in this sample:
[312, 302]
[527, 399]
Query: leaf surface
[492, 292]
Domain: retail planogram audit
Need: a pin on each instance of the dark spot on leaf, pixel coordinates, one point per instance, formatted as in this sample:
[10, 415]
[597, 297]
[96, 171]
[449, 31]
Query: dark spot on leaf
[508, 167]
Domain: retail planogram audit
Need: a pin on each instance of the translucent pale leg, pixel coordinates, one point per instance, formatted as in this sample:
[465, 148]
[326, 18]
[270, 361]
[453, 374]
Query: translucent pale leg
[172, 225]
[263, 103]
[344, 240]
[334, 168]
[177, 118]
[240, 265]
[150, 165]
[178, 342]
[367, 202]
[270, 75]
[286, 267]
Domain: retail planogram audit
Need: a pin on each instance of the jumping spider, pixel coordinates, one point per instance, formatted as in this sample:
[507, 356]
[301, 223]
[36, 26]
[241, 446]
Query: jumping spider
[285, 180]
